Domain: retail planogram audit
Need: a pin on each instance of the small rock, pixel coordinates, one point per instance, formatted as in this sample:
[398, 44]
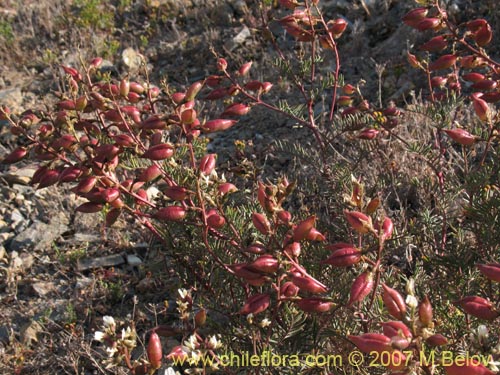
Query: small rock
[83, 282]
[239, 39]
[12, 98]
[132, 59]
[43, 288]
[16, 216]
[133, 260]
[107, 261]
[39, 235]
[30, 332]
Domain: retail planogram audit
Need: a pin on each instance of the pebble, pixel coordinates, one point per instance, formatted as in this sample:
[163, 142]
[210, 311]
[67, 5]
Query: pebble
[133, 260]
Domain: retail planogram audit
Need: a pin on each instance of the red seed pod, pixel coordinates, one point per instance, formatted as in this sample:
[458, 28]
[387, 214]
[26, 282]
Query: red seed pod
[436, 44]
[137, 88]
[485, 85]
[150, 173]
[106, 152]
[253, 85]
[15, 156]
[176, 193]
[207, 164]
[117, 203]
[188, 116]
[344, 101]
[133, 112]
[236, 109]
[66, 142]
[360, 222]
[155, 351]
[218, 125]
[221, 64]
[289, 289]
[386, 229]
[394, 302]
[193, 90]
[67, 105]
[491, 97]
[85, 185]
[226, 188]
[289, 4]
[242, 270]
[461, 136]
[178, 97]
[480, 107]
[491, 271]
[436, 340]
[314, 305]
[153, 123]
[337, 27]
[425, 312]
[469, 366]
[473, 77]
[200, 318]
[75, 74]
[170, 213]
[413, 17]
[50, 177]
[256, 304]
[178, 353]
[159, 152]
[396, 328]
[103, 195]
[96, 62]
[309, 284]
[245, 68]
[476, 25]
[479, 307]
[217, 94]
[124, 140]
[483, 36]
[372, 342]
[368, 134]
[213, 80]
[344, 257]
[303, 228]
[284, 217]
[471, 61]
[112, 216]
[261, 223]
[361, 287]
[124, 87]
[315, 235]
[444, 62]
[70, 174]
[214, 220]
[438, 81]
[413, 61]
[372, 206]
[256, 248]
[133, 97]
[293, 249]
[154, 92]
[35, 179]
[428, 24]
[264, 264]
[89, 208]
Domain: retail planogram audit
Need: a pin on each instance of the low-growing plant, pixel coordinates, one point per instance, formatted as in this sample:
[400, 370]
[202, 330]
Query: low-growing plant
[261, 277]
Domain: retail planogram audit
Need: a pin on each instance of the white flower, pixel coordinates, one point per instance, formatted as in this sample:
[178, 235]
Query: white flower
[213, 343]
[265, 323]
[99, 336]
[191, 343]
[109, 322]
[410, 287]
[482, 332]
[411, 301]
[111, 351]
[183, 293]
[171, 371]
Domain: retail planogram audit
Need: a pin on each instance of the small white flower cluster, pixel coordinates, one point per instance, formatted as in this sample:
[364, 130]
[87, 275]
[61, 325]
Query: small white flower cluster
[116, 345]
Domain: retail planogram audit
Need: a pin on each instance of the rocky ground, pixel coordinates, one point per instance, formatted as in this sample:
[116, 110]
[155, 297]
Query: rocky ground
[60, 272]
